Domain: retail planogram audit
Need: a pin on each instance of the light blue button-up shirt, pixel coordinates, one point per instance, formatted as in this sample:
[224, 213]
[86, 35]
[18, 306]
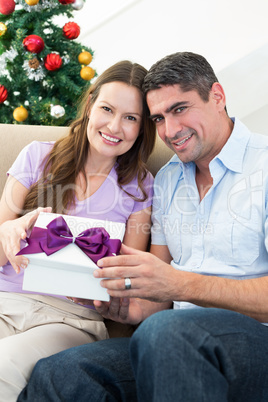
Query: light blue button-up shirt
[226, 233]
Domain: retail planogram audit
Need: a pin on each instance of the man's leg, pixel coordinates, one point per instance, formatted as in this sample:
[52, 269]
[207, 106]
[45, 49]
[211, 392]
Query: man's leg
[99, 371]
[203, 355]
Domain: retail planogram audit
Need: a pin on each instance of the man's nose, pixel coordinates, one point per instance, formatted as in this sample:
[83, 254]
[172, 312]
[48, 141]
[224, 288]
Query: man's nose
[172, 127]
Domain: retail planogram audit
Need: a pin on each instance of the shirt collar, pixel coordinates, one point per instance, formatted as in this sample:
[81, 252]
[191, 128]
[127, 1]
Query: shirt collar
[232, 154]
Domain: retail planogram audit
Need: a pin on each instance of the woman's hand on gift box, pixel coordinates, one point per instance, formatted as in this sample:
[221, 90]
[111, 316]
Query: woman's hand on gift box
[11, 234]
[124, 310]
[81, 302]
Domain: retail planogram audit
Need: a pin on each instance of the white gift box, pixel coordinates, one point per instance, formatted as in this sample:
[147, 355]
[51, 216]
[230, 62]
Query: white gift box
[68, 271]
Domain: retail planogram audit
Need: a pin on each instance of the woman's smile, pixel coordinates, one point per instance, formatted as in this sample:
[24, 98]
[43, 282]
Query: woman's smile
[110, 139]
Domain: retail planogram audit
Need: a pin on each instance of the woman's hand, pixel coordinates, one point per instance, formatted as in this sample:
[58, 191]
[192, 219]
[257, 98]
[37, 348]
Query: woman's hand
[126, 311]
[81, 302]
[13, 231]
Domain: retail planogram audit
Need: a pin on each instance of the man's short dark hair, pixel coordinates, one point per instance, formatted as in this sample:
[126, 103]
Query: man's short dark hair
[191, 71]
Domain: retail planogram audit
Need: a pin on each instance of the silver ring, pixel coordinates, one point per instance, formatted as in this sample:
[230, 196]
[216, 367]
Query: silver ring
[127, 283]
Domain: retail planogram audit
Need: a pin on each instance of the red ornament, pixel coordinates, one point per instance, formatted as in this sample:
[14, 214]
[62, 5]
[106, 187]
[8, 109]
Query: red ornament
[34, 44]
[53, 61]
[66, 1]
[7, 6]
[71, 30]
[3, 94]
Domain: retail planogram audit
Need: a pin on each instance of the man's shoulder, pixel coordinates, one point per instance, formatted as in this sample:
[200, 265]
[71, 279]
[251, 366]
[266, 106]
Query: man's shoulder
[256, 154]
[258, 141]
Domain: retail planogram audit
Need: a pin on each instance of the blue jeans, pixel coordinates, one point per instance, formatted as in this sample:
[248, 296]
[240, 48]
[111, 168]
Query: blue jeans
[207, 355]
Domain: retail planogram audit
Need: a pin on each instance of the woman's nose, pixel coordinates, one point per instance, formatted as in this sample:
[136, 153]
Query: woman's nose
[115, 124]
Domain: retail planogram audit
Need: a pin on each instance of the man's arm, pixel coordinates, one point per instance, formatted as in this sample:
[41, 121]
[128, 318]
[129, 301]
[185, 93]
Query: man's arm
[246, 296]
[155, 280]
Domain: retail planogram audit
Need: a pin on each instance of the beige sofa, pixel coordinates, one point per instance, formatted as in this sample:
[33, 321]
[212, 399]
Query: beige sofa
[13, 137]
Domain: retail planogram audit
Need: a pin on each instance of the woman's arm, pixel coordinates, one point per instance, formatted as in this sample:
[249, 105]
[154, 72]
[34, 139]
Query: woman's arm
[138, 229]
[13, 228]
[11, 205]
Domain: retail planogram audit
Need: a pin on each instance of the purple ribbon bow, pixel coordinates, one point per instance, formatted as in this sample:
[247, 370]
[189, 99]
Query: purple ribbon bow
[94, 242]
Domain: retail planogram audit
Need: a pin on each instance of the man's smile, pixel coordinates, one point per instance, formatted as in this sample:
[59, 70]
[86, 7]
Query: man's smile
[183, 141]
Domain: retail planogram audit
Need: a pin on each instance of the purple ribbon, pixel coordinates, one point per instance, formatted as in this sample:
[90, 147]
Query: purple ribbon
[94, 242]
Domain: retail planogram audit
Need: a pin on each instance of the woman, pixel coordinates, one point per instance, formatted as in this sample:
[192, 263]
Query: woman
[97, 171]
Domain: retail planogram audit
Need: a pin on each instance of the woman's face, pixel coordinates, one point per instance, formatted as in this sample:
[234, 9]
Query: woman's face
[115, 120]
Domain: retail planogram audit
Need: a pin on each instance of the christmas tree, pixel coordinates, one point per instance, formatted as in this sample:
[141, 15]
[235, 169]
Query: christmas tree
[43, 70]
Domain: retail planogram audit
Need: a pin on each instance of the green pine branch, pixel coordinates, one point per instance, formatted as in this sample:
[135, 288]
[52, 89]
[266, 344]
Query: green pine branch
[61, 87]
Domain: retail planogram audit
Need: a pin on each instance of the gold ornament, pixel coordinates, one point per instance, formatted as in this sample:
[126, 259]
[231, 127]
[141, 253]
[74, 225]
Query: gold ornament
[87, 73]
[34, 63]
[3, 29]
[32, 2]
[85, 58]
[20, 113]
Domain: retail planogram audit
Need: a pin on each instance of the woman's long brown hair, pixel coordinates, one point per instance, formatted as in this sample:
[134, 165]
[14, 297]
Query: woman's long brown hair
[56, 186]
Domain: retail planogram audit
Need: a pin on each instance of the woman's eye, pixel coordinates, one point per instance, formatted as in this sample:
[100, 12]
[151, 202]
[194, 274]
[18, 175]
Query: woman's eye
[132, 118]
[106, 108]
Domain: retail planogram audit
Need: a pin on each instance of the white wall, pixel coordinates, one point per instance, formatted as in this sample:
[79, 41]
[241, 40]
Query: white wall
[246, 88]
[231, 34]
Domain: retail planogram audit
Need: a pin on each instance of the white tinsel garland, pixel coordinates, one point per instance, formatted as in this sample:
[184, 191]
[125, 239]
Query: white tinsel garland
[33, 74]
[42, 5]
[66, 58]
[8, 55]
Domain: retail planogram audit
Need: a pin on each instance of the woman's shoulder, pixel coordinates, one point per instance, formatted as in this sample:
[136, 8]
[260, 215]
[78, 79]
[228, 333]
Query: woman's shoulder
[39, 145]
[37, 150]
[29, 163]
[33, 154]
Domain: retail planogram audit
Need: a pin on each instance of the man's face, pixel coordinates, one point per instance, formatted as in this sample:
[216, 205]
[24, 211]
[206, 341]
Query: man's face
[187, 124]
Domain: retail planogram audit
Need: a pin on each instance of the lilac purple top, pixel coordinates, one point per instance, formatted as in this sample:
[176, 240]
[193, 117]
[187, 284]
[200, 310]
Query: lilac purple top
[109, 202]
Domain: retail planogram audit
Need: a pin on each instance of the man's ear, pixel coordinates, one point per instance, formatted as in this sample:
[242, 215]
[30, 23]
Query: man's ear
[217, 93]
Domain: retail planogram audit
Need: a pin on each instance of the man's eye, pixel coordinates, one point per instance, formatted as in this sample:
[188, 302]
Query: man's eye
[157, 119]
[180, 109]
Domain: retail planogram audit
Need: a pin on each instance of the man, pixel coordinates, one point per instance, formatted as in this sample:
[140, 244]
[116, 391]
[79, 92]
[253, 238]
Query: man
[208, 255]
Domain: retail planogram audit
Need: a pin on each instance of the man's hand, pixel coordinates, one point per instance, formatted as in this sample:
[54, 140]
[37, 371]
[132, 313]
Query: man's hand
[150, 277]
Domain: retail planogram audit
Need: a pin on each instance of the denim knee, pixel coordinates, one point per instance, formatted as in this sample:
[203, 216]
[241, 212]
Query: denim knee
[200, 354]
[159, 325]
